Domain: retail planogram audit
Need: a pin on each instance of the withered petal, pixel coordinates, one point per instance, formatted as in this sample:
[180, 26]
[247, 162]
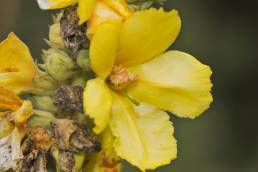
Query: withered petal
[72, 136]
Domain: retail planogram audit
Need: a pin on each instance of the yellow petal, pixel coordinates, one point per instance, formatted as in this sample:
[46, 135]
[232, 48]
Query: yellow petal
[103, 48]
[174, 81]
[120, 6]
[55, 4]
[5, 127]
[97, 103]
[21, 116]
[101, 13]
[16, 65]
[8, 100]
[85, 9]
[146, 34]
[106, 160]
[144, 134]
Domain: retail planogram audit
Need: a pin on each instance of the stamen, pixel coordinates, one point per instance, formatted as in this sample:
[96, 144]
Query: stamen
[120, 78]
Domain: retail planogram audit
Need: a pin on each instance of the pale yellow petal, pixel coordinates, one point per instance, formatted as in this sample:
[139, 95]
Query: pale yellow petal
[55, 4]
[85, 9]
[106, 160]
[146, 34]
[101, 13]
[143, 134]
[103, 48]
[16, 65]
[97, 103]
[174, 81]
[120, 6]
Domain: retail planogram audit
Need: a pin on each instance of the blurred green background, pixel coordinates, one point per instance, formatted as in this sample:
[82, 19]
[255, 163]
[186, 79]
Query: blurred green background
[220, 33]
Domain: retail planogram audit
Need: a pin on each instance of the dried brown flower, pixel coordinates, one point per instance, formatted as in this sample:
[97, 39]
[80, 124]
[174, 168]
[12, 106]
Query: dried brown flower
[72, 136]
[35, 161]
[69, 98]
[40, 138]
[73, 34]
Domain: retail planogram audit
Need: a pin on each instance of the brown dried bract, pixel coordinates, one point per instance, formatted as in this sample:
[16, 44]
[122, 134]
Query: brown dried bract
[72, 136]
[34, 148]
[40, 138]
[69, 98]
[67, 161]
[33, 162]
[73, 34]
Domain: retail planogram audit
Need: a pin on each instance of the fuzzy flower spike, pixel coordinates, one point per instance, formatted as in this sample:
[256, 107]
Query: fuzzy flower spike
[137, 82]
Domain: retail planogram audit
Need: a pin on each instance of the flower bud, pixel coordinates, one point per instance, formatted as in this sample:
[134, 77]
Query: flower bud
[41, 119]
[55, 38]
[83, 59]
[59, 65]
[43, 103]
[79, 81]
[45, 82]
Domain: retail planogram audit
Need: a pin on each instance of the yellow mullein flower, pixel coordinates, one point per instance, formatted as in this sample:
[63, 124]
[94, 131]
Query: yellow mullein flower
[17, 68]
[86, 7]
[18, 111]
[129, 62]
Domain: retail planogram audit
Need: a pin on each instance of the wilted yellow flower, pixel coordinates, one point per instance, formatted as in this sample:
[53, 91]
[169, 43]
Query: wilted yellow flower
[18, 111]
[96, 11]
[17, 68]
[129, 62]
[11, 105]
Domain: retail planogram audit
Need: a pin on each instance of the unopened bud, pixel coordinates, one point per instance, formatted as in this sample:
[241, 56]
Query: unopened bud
[83, 59]
[80, 80]
[45, 81]
[59, 65]
[55, 38]
[41, 119]
[43, 103]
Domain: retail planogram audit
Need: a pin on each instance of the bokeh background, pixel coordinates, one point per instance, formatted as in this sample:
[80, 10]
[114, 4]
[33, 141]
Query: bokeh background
[220, 33]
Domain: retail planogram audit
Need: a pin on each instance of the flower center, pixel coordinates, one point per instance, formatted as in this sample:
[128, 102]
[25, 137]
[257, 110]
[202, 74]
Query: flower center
[120, 78]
